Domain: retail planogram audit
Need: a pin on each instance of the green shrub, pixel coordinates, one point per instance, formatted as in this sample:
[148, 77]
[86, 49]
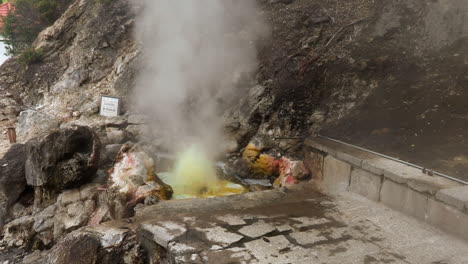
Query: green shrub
[31, 56]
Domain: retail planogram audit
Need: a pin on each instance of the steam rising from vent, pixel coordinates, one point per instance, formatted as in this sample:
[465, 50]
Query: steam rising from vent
[197, 58]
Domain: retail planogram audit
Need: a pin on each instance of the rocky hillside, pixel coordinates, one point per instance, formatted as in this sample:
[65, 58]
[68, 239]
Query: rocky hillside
[88, 52]
[388, 76]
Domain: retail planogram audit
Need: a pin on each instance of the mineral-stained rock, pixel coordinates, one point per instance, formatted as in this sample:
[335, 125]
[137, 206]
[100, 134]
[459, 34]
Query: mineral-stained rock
[261, 165]
[63, 159]
[291, 172]
[132, 179]
[12, 178]
[298, 170]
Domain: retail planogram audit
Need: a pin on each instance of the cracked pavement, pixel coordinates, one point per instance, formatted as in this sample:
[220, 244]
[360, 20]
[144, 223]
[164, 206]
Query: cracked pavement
[300, 226]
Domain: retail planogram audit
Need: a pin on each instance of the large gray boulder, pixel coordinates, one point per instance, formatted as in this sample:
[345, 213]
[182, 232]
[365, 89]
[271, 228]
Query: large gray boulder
[63, 159]
[12, 178]
[33, 123]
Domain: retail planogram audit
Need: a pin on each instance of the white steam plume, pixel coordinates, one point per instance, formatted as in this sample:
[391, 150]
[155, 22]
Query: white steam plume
[195, 53]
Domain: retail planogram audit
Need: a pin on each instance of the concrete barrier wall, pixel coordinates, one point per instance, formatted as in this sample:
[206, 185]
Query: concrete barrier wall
[338, 168]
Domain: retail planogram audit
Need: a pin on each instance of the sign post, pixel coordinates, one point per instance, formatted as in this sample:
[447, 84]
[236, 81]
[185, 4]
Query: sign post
[110, 106]
[12, 135]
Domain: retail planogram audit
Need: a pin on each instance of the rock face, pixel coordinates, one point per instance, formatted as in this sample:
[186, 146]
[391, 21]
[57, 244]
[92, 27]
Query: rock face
[12, 177]
[62, 159]
[35, 124]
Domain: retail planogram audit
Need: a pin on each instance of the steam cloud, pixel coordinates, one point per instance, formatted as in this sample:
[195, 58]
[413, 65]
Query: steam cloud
[196, 55]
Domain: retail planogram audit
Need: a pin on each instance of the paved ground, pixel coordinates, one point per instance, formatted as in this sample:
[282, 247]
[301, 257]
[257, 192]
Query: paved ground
[297, 227]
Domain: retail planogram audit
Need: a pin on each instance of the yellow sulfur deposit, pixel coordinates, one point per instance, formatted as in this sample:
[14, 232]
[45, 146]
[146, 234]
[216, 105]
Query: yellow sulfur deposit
[250, 153]
[194, 175]
[260, 164]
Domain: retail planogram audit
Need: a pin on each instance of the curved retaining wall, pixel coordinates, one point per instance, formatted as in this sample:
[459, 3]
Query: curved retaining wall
[338, 168]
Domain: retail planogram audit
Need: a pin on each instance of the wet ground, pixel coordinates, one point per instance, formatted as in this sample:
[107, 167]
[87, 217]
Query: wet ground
[300, 226]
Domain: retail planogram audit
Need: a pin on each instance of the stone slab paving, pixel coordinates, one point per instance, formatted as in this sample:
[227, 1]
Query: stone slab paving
[300, 228]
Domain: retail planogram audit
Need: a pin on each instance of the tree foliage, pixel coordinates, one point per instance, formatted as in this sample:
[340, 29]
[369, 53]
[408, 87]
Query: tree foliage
[29, 17]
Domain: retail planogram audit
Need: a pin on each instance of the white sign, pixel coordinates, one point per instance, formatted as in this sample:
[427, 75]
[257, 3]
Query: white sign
[110, 106]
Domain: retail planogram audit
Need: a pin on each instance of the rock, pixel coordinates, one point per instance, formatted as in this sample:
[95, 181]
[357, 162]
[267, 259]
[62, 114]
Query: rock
[18, 210]
[137, 119]
[132, 179]
[260, 165]
[19, 231]
[9, 109]
[98, 245]
[77, 214]
[138, 130]
[35, 257]
[230, 145]
[299, 170]
[101, 177]
[68, 197]
[89, 191]
[12, 178]
[291, 172]
[71, 80]
[32, 123]
[116, 121]
[258, 188]
[285, 2]
[111, 152]
[76, 248]
[63, 159]
[90, 108]
[116, 137]
[44, 220]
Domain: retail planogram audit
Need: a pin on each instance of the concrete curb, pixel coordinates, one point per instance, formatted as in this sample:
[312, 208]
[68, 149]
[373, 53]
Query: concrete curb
[433, 199]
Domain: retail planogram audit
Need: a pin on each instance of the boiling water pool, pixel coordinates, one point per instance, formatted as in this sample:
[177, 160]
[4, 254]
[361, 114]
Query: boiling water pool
[214, 189]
